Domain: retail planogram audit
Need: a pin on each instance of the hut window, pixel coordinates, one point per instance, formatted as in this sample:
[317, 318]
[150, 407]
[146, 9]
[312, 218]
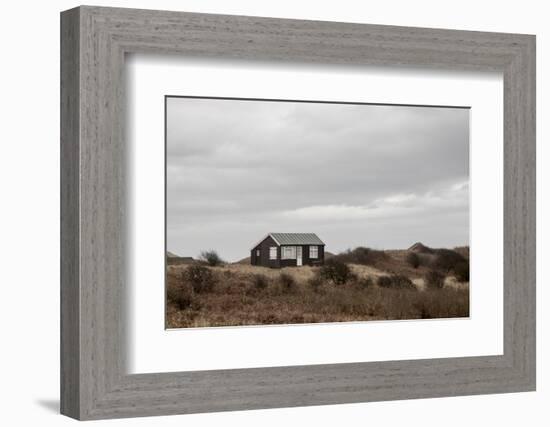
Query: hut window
[257, 252]
[289, 252]
[273, 252]
[314, 251]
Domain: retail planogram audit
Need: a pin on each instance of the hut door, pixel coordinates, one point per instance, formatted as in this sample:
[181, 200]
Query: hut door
[298, 256]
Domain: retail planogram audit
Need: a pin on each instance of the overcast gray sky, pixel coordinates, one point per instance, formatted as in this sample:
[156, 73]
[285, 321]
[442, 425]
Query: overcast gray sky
[370, 175]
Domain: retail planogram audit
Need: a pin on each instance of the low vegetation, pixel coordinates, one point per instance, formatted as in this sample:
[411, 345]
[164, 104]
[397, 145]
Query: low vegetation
[373, 287]
[260, 281]
[200, 278]
[413, 259]
[336, 271]
[434, 279]
[361, 255]
[287, 282]
[396, 281]
[179, 295]
[462, 271]
[446, 260]
[211, 258]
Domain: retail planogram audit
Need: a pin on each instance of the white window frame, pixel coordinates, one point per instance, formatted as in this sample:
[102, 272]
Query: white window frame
[312, 249]
[273, 252]
[288, 252]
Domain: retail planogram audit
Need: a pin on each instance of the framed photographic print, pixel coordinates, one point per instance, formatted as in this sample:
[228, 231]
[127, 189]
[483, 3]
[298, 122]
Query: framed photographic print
[262, 213]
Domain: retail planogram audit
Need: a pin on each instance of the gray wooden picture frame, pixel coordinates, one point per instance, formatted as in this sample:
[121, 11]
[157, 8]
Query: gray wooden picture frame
[94, 382]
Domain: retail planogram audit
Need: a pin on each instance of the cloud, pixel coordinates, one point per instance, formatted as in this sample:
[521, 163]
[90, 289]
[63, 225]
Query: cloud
[393, 206]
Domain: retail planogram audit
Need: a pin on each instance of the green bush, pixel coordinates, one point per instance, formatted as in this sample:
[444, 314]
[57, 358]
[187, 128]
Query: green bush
[200, 278]
[413, 259]
[396, 281]
[434, 279]
[211, 257]
[336, 271]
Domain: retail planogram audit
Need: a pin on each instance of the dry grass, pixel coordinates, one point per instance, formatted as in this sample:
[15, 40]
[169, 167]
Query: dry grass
[395, 262]
[250, 295]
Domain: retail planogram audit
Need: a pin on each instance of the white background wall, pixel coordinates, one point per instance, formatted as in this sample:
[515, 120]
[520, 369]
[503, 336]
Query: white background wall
[29, 214]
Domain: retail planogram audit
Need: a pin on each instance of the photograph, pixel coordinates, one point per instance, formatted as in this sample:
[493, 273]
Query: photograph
[285, 212]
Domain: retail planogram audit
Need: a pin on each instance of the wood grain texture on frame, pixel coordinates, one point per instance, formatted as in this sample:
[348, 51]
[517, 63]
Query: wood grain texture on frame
[94, 380]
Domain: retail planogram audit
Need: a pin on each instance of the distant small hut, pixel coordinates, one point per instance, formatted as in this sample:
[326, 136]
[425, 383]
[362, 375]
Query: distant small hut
[277, 250]
[420, 248]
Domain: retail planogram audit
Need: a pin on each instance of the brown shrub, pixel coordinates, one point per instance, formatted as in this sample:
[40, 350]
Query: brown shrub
[211, 257]
[413, 259]
[396, 281]
[260, 281]
[462, 271]
[446, 260]
[393, 303]
[361, 255]
[180, 295]
[363, 283]
[434, 279]
[336, 271]
[200, 278]
[287, 282]
[315, 283]
[443, 303]
[463, 250]
[348, 304]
